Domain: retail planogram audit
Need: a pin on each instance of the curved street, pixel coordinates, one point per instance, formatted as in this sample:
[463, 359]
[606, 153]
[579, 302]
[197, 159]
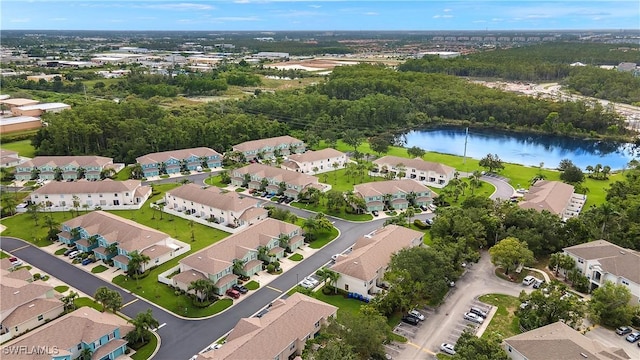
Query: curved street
[503, 190]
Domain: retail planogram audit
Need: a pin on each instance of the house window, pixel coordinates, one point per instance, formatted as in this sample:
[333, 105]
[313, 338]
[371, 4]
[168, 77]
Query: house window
[79, 346]
[580, 261]
[16, 329]
[40, 317]
[293, 345]
[112, 335]
[126, 194]
[116, 195]
[317, 323]
[625, 282]
[346, 287]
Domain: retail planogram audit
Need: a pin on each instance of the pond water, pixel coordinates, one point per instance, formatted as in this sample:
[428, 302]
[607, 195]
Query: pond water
[521, 148]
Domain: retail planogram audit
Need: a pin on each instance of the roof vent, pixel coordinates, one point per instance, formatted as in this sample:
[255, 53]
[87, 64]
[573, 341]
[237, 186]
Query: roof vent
[355, 263]
[32, 305]
[17, 292]
[584, 355]
[622, 252]
[153, 249]
[199, 257]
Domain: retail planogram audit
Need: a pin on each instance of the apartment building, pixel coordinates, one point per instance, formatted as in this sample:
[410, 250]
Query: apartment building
[176, 161]
[270, 147]
[426, 172]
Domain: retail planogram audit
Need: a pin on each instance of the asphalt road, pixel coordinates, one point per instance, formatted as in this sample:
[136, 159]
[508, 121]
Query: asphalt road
[181, 338]
[503, 190]
[610, 338]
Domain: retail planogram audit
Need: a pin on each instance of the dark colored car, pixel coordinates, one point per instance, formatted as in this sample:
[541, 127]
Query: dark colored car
[87, 261]
[375, 213]
[623, 330]
[69, 251]
[411, 320]
[424, 208]
[538, 283]
[262, 313]
[240, 288]
[233, 293]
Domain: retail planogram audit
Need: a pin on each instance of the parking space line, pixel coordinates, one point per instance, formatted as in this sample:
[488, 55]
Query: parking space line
[20, 248]
[130, 302]
[274, 289]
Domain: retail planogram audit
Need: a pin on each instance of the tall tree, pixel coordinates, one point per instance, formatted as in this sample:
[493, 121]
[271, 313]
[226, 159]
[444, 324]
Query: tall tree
[471, 347]
[353, 138]
[415, 152]
[510, 252]
[143, 323]
[549, 305]
[610, 305]
[491, 162]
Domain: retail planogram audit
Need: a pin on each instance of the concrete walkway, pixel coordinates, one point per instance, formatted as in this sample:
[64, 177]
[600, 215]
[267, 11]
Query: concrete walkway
[544, 274]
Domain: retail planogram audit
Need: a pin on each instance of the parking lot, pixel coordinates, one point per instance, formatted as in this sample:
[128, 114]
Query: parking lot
[610, 338]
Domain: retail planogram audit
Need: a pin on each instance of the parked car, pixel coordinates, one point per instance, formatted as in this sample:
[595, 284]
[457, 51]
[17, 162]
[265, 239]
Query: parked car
[69, 251]
[262, 313]
[375, 213]
[428, 221]
[528, 280]
[623, 330]
[415, 313]
[410, 320]
[233, 293]
[307, 284]
[473, 317]
[312, 280]
[240, 288]
[15, 261]
[633, 337]
[424, 208]
[335, 257]
[479, 312]
[537, 283]
[74, 254]
[432, 207]
[87, 261]
[447, 349]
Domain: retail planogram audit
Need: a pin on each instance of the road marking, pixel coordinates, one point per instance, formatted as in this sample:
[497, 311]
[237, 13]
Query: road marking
[274, 289]
[20, 248]
[421, 348]
[159, 327]
[130, 302]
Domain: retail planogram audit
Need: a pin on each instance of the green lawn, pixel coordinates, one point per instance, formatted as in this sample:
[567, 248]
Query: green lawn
[60, 251]
[339, 180]
[427, 233]
[296, 257]
[252, 285]
[323, 238]
[484, 190]
[98, 269]
[22, 147]
[17, 197]
[504, 323]
[123, 174]
[340, 214]
[61, 288]
[3, 255]
[85, 301]
[215, 181]
[145, 351]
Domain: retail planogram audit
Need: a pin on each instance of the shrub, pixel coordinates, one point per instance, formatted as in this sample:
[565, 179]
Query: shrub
[37, 276]
[419, 224]
[271, 268]
[45, 278]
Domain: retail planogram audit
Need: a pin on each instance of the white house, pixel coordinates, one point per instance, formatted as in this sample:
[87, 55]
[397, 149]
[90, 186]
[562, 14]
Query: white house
[270, 147]
[361, 271]
[9, 158]
[426, 172]
[106, 194]
[602, 261]
[215, 206]
[315, 162]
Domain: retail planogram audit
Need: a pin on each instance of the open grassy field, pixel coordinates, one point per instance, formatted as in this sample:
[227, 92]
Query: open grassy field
[22, 147]
[215, 181]
[504, 323]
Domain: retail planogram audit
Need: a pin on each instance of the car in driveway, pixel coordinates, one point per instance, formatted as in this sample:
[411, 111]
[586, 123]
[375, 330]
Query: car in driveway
[411, 320]
[70, 250]
[307, 284]
[240, 288]
[447, 348]
[87, 261]
[15, 261]
[528, 280]
[537, 283]
[623, 330]
[74, 254]
[633, 337]
[417, 314]
[473, 318]
[375, 213]
[233, 293]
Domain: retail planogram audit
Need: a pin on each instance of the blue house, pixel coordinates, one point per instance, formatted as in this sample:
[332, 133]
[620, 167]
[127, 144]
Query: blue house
[67, 337]
[172, 162]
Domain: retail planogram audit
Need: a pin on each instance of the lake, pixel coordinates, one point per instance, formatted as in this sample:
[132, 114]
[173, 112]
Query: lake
[520, 148]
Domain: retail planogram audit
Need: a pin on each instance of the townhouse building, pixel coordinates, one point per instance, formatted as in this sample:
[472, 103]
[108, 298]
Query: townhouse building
[83, 330]
[554, 196]
[242, 253]
[215, 206]
[293, 183]
[601, 261]
[82, 194]
[396, 194]
[270, 147]
[362, 270]
[176, 161]
[426, 172]
[315, 162]
[46, 167]
[111, 237]
[9, 158]
[294, 320]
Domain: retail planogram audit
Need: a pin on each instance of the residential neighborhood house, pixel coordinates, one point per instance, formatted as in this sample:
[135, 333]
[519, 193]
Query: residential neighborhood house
[111, 237]
[275, 179]
[428, 173]
[280, 334]
[239, 254]
[9, 158]
[270, 147]
[362, 270]
[396, 194]
[176, 161]
[85, 329]
[215, 206]
[45, 167]
[559, 341]
[85, 195]
[554, 196]
[25, 305]
[601, 261]
[315, 162]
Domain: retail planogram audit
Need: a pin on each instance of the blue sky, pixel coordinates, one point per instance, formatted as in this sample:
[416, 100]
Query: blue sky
[238, 15]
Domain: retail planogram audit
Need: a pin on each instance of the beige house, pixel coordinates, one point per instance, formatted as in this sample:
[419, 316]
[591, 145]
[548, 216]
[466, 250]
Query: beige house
[25, 305]
[239, 254]
[362, 270]
[19, 123]
[397, 194]
[16, 102]
[9, 158]
[67, 337]
[268, 148]
[426, 172]
[293, 182]
[215, 206]
[39, 109]
[46, 167]
[554, 196]
[559, 341]
[280, 334]
[315, 162]
[601, 261]
[106, 194]
[128, 236]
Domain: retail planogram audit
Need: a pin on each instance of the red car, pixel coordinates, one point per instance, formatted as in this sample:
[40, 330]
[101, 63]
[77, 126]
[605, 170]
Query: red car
[233, 293]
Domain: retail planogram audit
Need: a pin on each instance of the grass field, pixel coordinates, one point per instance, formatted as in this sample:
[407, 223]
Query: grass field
[215, 181]
[341, 213]
[504, 323]
[85, 301]
[252, 285]
[61, 288]
[22, 147]
[3, 255]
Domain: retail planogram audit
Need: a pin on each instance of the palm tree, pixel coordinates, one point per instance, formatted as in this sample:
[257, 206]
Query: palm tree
[554, 262]
[246, 178]
[86, 354]
[75, 200]
[474, 180]
[51, 223]
[263, 253]
[310, 225]
[162, 169]
[596, 170]
[605, 171]
[137, 172]
[57, 174]
[283, 241]
[69, 300]
[81, 172]
[409, 213]
[323, 224]
[143, 323]
[93, 240]
[34, 210]
[10, 204]
[387, 200]
[238, 266]
[112, 249]
[102, 295]
[202, 287]
[323, 275]
[589, 169]
[107, 173]
[335, 166]
[136, 263]
[315, 169]
[75, 233]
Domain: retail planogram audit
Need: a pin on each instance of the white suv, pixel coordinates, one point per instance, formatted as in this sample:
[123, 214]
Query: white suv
[416, 314]
[447, 348]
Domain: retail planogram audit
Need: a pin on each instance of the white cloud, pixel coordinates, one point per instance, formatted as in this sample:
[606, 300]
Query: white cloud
[447, 10]
[497, 19]
[479, 21]
[20, 20]
[296, 13]
[315, 6]
[181, 6]
[437, 16]
[447, 16]
[371, 13]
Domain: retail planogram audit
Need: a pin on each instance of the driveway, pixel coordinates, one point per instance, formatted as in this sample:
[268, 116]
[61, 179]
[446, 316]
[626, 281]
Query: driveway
[445, 320]
[503, 190]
